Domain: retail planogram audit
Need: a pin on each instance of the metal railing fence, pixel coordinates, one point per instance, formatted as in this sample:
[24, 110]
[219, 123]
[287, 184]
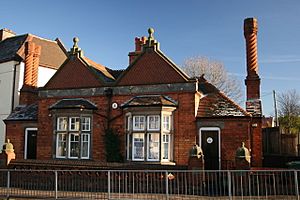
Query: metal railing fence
[149, 184]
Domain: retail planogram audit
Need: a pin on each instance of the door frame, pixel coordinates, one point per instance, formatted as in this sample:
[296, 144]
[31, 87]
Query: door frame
[219, 139]
[26, 138]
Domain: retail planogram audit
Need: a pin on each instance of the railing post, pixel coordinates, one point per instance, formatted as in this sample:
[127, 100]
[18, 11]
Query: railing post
[167, 185]
[229, 185]
[108, 184]
[296, 184]
[8, 184]
[56, 184]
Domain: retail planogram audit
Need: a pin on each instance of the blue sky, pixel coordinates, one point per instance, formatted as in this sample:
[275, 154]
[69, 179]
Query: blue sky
[212, 28]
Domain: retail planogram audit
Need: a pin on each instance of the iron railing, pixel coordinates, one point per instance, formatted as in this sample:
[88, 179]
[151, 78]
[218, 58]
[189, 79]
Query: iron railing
[149, 184]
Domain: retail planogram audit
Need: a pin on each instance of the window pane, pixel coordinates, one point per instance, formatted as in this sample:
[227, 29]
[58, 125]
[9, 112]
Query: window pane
[165, 147]
[167, 122]
[153, 148]
[139, 123]
[153, 122]
[138, 146]
[74, 124]
[61, 145]
[85, 139]
[74, 145]
[62, 123]
[86, 124]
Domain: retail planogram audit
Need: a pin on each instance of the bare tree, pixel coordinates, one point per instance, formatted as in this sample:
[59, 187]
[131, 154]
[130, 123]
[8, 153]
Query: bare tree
[289, 111]
[216, 74]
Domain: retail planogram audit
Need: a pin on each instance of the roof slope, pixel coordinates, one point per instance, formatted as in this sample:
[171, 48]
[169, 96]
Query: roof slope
[53, 53]
[152, 67]
[216, 104]
[9, 48]
[150, 100]
[24, 113]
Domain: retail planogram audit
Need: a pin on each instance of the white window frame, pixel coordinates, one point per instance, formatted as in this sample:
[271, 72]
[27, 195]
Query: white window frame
[69, 144]
[85, 124]
[58, 125]
[157, 123]
[137, 128]
[148, 147]
[26, 138]
[166, 125]
[66, 141]
[76, 124]
[88, 145]
[163, 141]
[133, 147]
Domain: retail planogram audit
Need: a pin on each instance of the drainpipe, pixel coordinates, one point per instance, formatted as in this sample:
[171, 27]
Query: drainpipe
[14, 87]
[108, 93]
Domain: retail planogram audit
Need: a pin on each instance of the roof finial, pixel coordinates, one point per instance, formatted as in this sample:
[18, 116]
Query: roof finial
[150, 37]
[75, 49]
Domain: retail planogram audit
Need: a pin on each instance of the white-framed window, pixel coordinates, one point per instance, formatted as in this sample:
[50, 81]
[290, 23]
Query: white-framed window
[166, 122]
[139, 123]
[73, 137]
[85, 123]
[153, 123]
[62, 123]
[85, 145]
[61, 145]
[165, 147]
[138, 142]
[74, 151]
[153, 147]
[74, 123]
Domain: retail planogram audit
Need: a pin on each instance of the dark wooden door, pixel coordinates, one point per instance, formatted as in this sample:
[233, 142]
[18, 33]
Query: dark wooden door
[210, 147]
[31, 144]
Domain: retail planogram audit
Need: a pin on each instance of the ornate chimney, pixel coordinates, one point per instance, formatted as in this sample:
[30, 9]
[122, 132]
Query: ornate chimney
[28, 93]
[139, 42]
[253, 103]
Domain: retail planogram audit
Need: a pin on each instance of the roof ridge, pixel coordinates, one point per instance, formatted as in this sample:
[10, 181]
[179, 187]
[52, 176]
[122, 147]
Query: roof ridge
[45, 39]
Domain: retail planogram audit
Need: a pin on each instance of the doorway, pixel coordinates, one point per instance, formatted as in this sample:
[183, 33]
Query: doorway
[30, 143]
[210, 144]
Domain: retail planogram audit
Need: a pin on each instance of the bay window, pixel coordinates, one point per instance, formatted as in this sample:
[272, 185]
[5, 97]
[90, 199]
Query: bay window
[73, 137]
[149, 136]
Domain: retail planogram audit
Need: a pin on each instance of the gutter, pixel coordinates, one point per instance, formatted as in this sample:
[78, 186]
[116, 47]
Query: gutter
[14, 86]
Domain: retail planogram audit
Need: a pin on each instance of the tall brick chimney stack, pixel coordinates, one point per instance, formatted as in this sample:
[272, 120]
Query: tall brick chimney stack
[253, 104]
[6, 33]
[139, 42]
[28, 93]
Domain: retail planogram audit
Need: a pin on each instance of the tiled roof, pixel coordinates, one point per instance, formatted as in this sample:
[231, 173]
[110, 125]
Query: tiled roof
[74, 104]
[150, 100]
[24, 113]
[9, 48]
[215, 104]
[13, 48]
[100, 70]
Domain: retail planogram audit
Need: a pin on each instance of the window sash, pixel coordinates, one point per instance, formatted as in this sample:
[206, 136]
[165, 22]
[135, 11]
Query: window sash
[62, 124]
[153, 147]
[85, 123]
[165, 147]
[138, 146]
[166, 122]
[85, 145]
[138, 123]
[74, 145]
[153, 123]
[74, 124]
[61, 145]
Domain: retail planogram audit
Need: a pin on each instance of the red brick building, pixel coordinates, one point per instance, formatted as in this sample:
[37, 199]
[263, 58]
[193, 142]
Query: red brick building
[157, 111]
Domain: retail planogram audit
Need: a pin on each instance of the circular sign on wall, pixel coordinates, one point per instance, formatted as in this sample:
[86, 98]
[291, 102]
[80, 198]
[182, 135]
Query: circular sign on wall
[209, 140]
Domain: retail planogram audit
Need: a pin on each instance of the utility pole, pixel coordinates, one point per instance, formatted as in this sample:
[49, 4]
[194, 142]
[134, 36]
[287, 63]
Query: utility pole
[275, 107]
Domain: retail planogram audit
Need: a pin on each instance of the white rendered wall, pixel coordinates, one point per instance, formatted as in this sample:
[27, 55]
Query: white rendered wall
[44, 75]
[6, 91]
